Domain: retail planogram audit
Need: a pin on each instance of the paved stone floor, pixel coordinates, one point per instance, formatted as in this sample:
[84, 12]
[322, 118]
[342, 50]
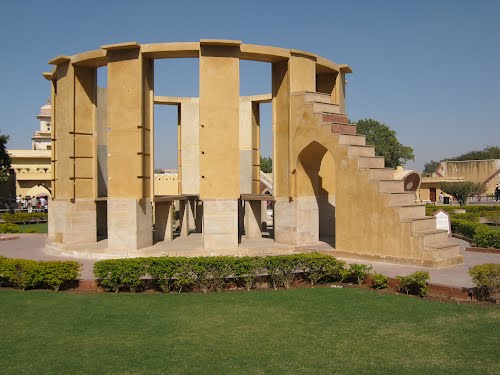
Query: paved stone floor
[33, 247]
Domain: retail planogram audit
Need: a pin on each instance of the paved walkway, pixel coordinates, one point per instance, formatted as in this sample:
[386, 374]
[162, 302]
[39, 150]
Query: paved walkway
[33, 247]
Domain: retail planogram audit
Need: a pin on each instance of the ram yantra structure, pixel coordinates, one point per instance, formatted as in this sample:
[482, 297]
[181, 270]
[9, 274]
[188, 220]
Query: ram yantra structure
[327, 183]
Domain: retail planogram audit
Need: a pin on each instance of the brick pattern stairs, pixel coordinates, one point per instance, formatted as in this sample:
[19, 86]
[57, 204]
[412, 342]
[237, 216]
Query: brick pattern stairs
[431, 246]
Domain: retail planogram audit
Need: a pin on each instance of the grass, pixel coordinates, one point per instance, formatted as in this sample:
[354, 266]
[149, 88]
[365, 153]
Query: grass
[40, 227]
[302, 331]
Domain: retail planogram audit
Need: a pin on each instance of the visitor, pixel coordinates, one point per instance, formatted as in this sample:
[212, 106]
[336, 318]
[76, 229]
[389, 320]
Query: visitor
[43, 202]
[441, 197]
[24, 203]
[33, 203]
[18, 202]
[497, 193]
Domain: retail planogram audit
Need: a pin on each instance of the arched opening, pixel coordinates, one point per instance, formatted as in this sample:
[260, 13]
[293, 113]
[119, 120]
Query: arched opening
[315, 194]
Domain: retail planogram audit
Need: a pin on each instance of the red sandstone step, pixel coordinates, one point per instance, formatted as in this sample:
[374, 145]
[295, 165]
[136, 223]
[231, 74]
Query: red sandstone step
[341, 128]
[335, 117]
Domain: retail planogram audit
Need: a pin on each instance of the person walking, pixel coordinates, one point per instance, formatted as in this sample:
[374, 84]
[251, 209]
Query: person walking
[18, 202]
[497, 193]
[33, 203]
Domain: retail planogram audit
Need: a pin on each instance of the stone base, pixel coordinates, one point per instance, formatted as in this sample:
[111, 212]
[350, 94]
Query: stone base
[220, 224]
[296, 222]
[130, 223]
[72, 222]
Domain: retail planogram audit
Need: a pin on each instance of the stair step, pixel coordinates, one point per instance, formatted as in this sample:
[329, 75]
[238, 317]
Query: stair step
[433, 236]
[345, 129]
[356, 139]
[355, 151]
[319, 107]
[411, 210]
[381, 174]
[422, 223]
[370, 162]
[317, 97]
[445, 250]
[399, 199]
[390, 186]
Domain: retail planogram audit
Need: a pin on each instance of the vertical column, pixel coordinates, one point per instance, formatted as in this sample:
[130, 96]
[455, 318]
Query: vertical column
[129, 121]
[190, 146]
[255, 148]
[246, 145]
[340, 91]
[63, 100]
[184, 218]
[163, 221]
[219, 142]
[253, 219]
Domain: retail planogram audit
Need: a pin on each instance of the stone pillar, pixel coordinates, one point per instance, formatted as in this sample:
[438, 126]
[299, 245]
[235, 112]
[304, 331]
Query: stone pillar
[219, 142]
[246, 145]
[163, 221]
[73, 210]
[190, 146]
[253, 219]
[340, 92]
[130, 78]
[184, 218]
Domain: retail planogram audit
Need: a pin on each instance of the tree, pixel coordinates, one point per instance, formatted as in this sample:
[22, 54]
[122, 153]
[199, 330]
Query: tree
[430, 167]
[266, 164]
[4, 159]
[490, 152]
[385, 141]
[461, 190]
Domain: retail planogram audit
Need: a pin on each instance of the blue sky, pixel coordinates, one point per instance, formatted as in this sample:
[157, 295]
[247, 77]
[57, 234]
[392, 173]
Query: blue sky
[429, 69]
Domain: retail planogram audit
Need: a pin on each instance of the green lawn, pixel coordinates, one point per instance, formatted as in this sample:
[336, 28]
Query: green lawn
[302, 331]
[40, 227]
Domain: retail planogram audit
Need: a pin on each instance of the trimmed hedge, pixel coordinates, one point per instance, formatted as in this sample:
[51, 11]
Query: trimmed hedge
[430, 208]
[28, 274]
[487, 280]
[9, 228]
[215, 273]
[481, 234]
[25, 217]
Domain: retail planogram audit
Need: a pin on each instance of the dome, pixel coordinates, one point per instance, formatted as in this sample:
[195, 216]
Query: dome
[45, 111]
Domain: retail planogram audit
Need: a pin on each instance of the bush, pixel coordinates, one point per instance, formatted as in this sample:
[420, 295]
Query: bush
[320, 266]
[247, 269]
[487, 280]
[463, 227]
[473, 217]
[118, 274]
[486, 237]
[25, 217]
[9, 228]
[493, 217]
[26, 273]
[282, 269]
[356, 273]
[415, 283]
[380, 281]
[162, 270]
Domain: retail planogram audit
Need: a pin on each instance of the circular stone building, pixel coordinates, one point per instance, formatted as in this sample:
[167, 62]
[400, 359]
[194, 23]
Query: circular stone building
[327, 184]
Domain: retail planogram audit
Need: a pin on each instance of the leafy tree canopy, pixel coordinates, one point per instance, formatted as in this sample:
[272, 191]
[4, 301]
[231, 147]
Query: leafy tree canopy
[4, 159]
[266, 164]
[430, 167]
[385, 141]
[490, 152]
[461, 190]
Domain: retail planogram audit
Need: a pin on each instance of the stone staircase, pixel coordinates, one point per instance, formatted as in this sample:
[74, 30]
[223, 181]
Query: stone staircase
[429, 247]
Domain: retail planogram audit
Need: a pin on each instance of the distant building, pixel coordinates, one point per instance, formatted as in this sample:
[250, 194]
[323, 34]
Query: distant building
[31, 168]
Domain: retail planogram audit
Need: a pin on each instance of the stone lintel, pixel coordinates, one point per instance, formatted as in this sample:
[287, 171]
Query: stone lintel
[345, 68]
[61, 59]
[121, 46]
[48, 76]
[220, 42]
[299, 53]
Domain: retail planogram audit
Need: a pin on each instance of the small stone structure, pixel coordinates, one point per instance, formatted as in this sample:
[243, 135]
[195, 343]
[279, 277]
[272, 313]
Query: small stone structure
[327, 184]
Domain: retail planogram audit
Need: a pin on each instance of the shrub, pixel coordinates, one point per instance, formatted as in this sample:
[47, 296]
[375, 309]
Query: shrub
[26, 273]
[320, 266]
[185, 277]
[493, 217]
[473, 217]
[415, 283]
[118, 274]
[162, 271]
[463, 227]
[356, 273]
[247, 269]
[487, 280]
[9, 228]
[380, 281]
[217, 269]
[487, 237]
[282, 269]
[25, 217]
[55, 273]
